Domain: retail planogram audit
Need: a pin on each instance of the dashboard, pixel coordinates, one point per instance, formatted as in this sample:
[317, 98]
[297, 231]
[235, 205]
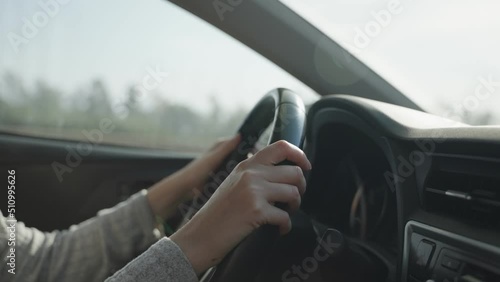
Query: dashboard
[418, 192]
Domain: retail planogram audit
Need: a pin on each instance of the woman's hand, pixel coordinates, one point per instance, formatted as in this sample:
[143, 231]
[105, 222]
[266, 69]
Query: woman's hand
[244, 202]
[195, 174]
[165, 195]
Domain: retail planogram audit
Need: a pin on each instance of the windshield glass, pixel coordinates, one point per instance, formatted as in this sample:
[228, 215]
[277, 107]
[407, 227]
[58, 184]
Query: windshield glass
[441, 54]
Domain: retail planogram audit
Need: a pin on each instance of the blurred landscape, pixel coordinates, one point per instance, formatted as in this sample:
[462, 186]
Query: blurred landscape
[44, 110]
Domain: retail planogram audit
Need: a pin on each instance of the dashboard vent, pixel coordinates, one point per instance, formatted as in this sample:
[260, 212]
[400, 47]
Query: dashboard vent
[464, 196]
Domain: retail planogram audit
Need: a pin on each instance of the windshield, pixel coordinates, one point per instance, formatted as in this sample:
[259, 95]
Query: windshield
[441, 54]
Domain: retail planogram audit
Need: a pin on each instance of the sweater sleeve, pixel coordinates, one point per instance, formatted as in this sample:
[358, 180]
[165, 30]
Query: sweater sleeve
[90, 251]
[164, 261]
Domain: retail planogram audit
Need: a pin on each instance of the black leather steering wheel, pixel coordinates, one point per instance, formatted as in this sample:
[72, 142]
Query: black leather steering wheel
[284, 111]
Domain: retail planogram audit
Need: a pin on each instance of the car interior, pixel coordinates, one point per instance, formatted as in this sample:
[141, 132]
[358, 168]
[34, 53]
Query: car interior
[407, 195]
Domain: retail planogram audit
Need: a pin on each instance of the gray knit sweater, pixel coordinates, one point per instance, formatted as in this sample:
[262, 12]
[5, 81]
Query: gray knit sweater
[95, 249]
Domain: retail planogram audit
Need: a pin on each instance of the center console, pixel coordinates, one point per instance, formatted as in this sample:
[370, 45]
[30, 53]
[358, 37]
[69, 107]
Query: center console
[432, 254]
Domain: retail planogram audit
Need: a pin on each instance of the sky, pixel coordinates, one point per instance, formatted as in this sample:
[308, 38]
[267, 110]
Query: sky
[433, 51]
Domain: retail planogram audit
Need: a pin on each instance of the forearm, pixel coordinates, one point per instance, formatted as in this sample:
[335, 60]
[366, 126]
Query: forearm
[165, 196]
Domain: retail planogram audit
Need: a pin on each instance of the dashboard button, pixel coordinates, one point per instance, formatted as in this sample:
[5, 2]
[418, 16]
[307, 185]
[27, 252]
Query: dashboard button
[424, 253]
[450, 263]
[420, 258]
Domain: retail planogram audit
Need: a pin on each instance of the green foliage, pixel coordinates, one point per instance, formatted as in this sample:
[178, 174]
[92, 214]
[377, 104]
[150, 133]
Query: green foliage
[47, 112]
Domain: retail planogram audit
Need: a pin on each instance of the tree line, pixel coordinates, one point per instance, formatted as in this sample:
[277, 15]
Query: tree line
[44, 110]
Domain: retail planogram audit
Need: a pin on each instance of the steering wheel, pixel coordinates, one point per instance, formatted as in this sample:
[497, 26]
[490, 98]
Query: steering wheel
[284, 112]
[264, 255]
[281, 109]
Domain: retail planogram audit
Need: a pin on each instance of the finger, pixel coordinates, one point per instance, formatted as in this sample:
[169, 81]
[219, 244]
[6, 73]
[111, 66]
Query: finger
[286, 174]
[281, 151]
[283, 193]
[228, 143]
[278, 217]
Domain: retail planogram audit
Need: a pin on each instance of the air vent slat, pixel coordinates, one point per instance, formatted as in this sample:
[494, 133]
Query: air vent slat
[464, 196]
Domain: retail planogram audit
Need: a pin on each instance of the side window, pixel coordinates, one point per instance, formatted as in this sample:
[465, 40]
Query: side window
[141, 73]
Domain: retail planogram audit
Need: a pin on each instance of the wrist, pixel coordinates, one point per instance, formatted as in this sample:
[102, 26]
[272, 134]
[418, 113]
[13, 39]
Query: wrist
[190, 176]
[193, 248]
[165, 196]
